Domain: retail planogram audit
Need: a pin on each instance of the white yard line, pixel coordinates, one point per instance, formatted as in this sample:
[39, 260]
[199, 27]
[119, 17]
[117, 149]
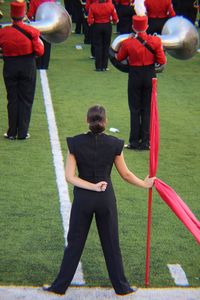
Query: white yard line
[82, 293]
[64, 199]
[178, 275]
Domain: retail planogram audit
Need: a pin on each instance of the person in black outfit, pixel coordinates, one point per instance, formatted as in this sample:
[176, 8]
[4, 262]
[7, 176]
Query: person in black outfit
[69, 6]
[125, 13]
[78, 11]
[94, 154]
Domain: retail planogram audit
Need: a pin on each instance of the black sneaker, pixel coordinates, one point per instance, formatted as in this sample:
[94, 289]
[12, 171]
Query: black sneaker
[49, 289]
[144, 147]
[127, 292]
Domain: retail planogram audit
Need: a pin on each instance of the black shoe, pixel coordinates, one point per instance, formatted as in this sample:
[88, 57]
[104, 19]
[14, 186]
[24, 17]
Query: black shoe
[127, 292]
[49, 289]
[131, 147]
[12, 138]
[98, 70]
[144, 147]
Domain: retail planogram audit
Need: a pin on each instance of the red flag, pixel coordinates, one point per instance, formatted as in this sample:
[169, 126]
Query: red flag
[170, 197]
[153, 164]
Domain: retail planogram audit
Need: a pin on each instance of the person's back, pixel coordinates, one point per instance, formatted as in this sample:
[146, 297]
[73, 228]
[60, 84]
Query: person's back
[158, 13]
[102, 12]
[138, 55]
[159, 9]
[95, 154]
[100, 16]
[20, 43]
[125, 12]
[142, 51]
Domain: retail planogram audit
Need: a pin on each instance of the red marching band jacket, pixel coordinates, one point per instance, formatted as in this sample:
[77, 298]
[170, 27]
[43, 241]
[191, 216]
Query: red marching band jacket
[102, 13]
[159, 9]
[138, 54]
[15, 43]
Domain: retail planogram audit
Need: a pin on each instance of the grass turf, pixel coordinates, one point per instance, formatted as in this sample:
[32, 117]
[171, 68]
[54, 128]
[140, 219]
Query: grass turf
[31, 232]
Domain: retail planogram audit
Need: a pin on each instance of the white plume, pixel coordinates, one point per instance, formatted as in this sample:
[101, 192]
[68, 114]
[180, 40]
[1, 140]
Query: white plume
[140, 8]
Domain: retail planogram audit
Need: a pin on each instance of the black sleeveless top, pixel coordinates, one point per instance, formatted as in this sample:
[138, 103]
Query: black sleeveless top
[95, 154]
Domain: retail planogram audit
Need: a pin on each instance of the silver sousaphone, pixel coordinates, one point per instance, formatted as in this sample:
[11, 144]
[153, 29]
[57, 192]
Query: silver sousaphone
[179, 38]
[53, 21]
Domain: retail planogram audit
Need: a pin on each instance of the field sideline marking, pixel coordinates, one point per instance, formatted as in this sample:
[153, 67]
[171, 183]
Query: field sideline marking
[178, 275]
[65, 204]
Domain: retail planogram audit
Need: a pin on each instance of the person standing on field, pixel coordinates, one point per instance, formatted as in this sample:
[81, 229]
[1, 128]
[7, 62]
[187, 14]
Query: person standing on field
[142, 52]
[20, 44]
[100, 16]
[93, 154]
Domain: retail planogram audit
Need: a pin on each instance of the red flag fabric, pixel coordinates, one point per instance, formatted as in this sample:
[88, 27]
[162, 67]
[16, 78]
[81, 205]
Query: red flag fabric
[153, 164]
[170, 197]
[154, 131]
[177, 205]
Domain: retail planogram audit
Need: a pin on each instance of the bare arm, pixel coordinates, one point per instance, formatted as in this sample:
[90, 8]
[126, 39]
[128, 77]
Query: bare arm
[128, 176]
[70, 175]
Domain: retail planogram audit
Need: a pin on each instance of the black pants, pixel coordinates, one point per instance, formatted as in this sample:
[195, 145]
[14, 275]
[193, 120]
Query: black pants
[78, 17]
[189, 13]
[20, 78]
[86, 204]
[101, 41]
[139, 100]
[156, 25]
[91, 34]
[125, 13]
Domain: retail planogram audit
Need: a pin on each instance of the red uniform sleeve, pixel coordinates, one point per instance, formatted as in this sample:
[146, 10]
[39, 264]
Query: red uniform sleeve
[32, 9]
[160, 57]
[122, 53]
[88, 3]
[38, 46]
[115, 18]
[171, 12]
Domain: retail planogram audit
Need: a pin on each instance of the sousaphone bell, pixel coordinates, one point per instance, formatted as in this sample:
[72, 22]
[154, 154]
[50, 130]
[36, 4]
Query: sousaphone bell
[53, 21]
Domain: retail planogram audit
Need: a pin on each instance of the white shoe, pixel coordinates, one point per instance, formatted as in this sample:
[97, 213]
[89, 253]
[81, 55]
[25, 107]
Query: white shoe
[9, 137]
[28, 136]
[25, 138]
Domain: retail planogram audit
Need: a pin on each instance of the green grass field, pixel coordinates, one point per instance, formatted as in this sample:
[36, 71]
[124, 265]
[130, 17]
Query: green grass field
[31, 236]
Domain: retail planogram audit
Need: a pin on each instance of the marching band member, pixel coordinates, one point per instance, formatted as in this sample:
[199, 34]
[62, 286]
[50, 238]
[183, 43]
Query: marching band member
[142, 51]
[101, 14]
[20, 43]
[125, 12]
[158, 13]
